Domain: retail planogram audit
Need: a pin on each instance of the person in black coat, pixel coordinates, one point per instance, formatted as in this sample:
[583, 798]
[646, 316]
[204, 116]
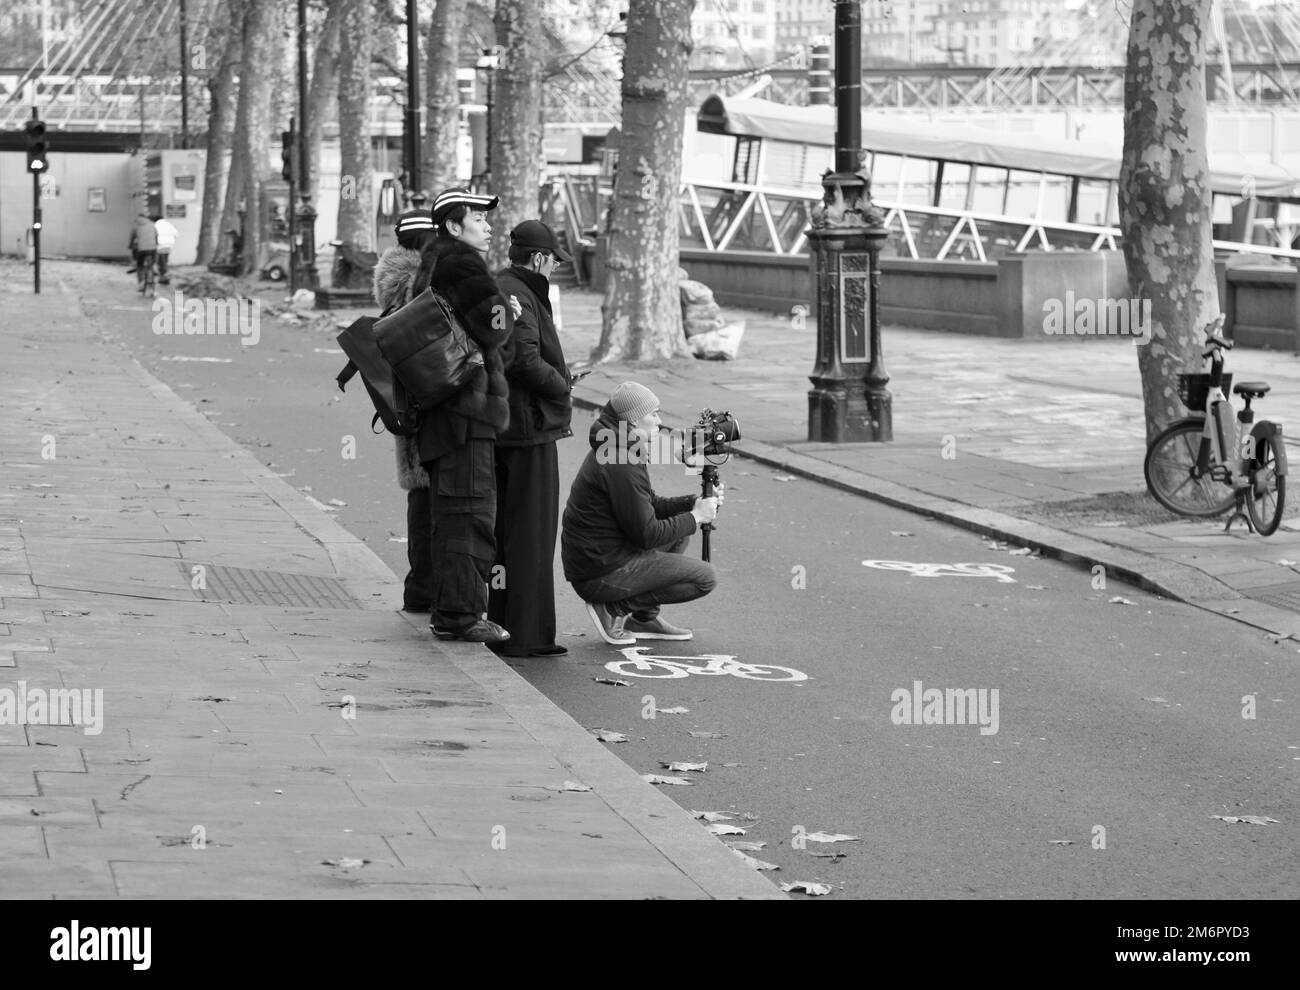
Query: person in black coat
[522, 593]
[456, 438]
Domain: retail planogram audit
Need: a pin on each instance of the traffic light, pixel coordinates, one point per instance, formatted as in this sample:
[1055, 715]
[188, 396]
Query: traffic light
[286, 155]
[37, 147]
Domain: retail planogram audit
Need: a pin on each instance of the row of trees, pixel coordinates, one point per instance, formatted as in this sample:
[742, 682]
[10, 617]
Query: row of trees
[251, 92]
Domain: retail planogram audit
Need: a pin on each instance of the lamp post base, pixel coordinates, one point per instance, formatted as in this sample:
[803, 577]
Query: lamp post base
[849, 411]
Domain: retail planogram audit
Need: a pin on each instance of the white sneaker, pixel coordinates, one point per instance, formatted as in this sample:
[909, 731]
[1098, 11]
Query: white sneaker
[656, 628]
[609, 625]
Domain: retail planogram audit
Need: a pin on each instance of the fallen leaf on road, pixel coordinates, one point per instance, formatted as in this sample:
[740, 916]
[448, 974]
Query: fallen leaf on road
[573, 785]
[1023, 552]
[611, 680]
[1247, 819]
[678, 766]
[747, 846]
[338, 501]
[679, 710]
[994, 545]
[1286, 563]
[730, 765]
[1158, 701]
[1120, 600]
[829, 855]
[1061, 842]
[756, 864]
[1278, 637]
[345, 863]
[711, 816]
[900, 532]
[397, 539]
[783, 477]
[719, 828]
[609, 736]
[708, 735]
[827, 837]
[1036, 587]
[804, 887]
[654, 778]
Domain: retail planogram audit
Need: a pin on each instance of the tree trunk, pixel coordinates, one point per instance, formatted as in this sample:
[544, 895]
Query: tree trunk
[642, 314]
[322, 93]
[221, 126]
[1164, 196]
[516, 138]
[356, 27]
[251, 145]
[442, 126]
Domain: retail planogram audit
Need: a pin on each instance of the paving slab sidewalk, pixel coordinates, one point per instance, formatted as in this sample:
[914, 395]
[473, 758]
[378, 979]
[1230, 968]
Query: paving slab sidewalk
[313, 745]
[987, 433]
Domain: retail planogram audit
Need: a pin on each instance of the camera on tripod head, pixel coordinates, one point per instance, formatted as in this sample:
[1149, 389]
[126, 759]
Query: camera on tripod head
[713, 436]
[710, 438]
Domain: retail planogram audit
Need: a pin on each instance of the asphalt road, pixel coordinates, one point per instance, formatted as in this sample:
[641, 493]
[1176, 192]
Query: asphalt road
[1120, 728]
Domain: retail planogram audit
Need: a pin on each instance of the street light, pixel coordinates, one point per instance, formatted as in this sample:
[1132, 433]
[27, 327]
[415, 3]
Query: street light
[849, 401]
[489, 60]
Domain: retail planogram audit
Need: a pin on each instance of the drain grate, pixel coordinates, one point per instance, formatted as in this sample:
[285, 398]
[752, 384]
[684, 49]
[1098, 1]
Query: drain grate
[243, 586]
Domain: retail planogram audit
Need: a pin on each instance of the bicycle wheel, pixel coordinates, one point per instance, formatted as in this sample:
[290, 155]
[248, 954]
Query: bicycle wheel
[767, 672]
[1168, 468]
[1266, 496]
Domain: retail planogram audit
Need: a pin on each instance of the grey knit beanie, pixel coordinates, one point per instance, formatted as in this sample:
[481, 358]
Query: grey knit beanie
[631, 401]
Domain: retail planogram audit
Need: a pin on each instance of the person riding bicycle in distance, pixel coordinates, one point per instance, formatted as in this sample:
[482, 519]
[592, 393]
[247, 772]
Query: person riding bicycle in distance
[621, 544]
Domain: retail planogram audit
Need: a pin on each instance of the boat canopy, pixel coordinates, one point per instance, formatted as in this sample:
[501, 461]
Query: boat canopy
[893, 135]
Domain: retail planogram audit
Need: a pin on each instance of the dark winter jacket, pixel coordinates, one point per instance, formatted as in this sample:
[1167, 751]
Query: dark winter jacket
[394, 273]
[613, 514]
[480, 409]
[144, 235]
[540, 405]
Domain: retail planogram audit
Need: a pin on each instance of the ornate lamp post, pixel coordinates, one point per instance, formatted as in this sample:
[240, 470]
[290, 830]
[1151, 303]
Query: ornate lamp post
[849, 401]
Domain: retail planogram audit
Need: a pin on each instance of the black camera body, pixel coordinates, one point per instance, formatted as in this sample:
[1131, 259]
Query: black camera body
[713, 435]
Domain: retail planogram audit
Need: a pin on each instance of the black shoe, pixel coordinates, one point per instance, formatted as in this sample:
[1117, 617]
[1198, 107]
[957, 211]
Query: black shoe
[482, 631]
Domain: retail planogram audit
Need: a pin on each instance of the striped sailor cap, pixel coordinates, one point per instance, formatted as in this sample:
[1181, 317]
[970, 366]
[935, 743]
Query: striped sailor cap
[454, 197]
[414, 220]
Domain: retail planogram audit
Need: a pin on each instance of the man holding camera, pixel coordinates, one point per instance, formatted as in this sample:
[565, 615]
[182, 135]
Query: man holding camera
[622, 545]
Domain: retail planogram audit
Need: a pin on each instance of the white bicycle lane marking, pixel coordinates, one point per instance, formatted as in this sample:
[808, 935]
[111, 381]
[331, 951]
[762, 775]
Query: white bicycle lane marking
[999, 572]
[636, 663]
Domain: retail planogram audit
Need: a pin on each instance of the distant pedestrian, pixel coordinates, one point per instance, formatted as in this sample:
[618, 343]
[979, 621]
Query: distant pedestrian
[144, 247]
[166, 233]
[527, 462]
[394, 278]
[456, 438]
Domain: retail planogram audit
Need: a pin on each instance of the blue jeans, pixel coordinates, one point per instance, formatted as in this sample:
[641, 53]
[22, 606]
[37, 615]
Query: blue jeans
[650, 579]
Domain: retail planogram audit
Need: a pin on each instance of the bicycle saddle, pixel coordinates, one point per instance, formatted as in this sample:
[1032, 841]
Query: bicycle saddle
[1255, 390]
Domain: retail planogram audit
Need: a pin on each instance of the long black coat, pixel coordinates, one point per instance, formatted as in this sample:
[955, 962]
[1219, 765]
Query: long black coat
[481, 409]
[540, 405]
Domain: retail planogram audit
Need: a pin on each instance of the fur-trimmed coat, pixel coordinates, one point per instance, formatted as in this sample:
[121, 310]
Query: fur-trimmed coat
[480, 409]
[394, 274]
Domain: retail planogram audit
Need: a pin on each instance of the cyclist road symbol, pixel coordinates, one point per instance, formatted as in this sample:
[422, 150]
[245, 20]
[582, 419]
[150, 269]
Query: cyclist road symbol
[998, 571]
[636, 664]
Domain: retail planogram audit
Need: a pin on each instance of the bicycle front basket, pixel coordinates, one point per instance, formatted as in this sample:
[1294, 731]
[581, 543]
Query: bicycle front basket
[1193, 388]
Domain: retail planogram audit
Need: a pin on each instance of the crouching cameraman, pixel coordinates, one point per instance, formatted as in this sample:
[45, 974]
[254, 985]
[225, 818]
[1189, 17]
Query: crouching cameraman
[622, 545]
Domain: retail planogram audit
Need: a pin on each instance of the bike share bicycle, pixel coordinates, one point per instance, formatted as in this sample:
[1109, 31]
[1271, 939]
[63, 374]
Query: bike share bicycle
[1204, 465]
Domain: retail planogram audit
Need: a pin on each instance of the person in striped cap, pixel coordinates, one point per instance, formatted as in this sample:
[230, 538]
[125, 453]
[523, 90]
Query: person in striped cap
[394, 275]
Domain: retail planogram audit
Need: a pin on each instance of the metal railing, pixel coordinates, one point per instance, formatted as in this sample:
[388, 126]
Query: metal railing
[722, 216]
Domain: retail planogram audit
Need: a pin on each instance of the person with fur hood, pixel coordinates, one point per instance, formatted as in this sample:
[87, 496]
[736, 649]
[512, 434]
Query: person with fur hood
[394, 276]
[457, 439]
